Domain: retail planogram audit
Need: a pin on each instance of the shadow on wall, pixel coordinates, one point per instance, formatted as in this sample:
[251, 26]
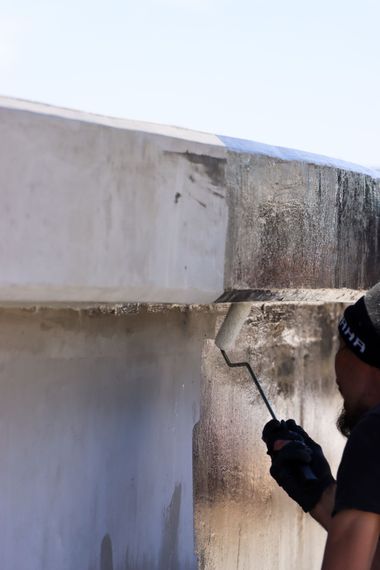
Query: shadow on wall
[106, 556]
[169, 549]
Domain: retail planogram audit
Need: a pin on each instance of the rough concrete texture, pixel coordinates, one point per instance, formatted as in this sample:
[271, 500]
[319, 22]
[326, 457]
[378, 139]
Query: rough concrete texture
[300, 225]
[109, 210]
[299, 295]
[96, 419]
[243, 520]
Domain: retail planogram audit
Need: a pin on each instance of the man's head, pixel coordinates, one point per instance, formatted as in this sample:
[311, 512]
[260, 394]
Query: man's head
[357, 363]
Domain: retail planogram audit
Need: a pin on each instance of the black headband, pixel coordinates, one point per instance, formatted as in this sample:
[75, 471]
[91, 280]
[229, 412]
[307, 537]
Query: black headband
[359, 334]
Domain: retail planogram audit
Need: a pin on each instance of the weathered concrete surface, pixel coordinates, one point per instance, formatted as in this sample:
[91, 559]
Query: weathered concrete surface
[96, 419]
[300, 225]
[342, 295]
[243, 520]
[98, 410]
[98, 209]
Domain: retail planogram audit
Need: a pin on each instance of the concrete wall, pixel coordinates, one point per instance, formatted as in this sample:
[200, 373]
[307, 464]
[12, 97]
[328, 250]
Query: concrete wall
[96, 419]
[109, 210]
[100, 406]
[243, 520]
[295, 224]
[98, 410]
[102, 412]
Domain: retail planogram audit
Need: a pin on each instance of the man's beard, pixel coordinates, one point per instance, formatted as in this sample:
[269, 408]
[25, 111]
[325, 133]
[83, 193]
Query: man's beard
[347, 420]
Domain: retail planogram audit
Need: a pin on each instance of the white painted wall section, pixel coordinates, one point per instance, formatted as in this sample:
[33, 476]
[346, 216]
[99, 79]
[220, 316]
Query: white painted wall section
[102, 210]
[96, 417]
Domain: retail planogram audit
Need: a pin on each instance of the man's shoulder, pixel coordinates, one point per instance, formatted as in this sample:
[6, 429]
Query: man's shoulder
[359, 471]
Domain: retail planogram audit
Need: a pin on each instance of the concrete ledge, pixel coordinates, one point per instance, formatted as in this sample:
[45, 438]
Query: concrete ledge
[97, 209]
[291, 295]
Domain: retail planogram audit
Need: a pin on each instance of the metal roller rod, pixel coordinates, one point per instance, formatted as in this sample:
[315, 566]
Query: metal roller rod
[254, 378]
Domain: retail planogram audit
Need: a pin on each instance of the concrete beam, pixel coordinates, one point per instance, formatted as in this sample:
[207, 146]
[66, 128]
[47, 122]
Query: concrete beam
[299, 223]
[107, 210]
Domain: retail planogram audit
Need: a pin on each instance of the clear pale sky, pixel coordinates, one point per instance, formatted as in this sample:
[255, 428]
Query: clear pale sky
[295, 73]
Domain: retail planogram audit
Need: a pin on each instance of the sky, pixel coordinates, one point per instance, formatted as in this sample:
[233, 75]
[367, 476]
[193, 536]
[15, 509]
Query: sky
[296, 73]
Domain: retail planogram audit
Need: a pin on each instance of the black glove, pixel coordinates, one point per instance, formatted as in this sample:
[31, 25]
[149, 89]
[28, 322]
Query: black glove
[298, 464]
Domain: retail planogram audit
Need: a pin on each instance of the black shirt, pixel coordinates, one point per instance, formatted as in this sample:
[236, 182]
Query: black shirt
[358, 478]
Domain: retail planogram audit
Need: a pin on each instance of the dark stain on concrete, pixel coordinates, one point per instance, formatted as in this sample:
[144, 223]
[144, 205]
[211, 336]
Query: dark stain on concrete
[214, 167]
[238, 295]
[358, 239]
[286, 378]
[201, 203]
[320, 185]
[169, 559]
[218, 194]
[326, 332]
[177, 197]
[198, 201]
[106, 555]
[291, 226]
[286, 367]
[282, 253]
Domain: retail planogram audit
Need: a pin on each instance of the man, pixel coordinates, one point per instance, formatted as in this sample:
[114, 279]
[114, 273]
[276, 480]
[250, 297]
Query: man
[349, 509]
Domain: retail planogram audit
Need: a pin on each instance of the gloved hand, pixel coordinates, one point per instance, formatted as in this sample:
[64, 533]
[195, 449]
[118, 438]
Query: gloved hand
[298, 463]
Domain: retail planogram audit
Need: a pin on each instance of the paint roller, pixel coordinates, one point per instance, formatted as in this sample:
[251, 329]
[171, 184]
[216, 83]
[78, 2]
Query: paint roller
[225, 340]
